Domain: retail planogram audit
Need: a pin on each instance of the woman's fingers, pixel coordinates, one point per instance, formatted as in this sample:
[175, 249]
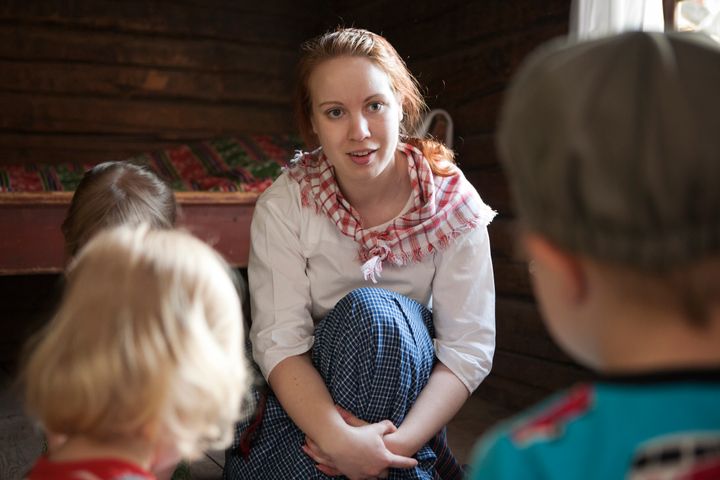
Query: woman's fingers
[387, 427]
[398, 461]
[343, 413]
[317, 451]
[313, 451]
[330, 472]
[349, 418]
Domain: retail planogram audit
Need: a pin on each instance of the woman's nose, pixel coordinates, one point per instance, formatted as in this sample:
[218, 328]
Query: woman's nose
[359, 128]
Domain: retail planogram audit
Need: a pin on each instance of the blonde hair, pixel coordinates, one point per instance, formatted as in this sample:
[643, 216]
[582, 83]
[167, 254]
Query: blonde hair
[355, 42]
[148, 335]
[116, 193]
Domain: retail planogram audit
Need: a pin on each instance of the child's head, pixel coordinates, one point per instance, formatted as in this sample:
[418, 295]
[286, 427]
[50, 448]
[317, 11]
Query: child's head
[116, 193]
[147, 343]
[614, 161]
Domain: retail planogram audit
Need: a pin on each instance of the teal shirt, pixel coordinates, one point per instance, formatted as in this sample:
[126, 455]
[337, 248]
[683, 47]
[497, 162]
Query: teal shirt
[614, 429]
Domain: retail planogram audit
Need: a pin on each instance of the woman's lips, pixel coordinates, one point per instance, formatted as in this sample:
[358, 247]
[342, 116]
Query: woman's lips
[361, 157]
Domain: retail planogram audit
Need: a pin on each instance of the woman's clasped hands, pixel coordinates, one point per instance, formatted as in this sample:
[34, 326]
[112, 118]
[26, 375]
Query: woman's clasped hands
[361, 452]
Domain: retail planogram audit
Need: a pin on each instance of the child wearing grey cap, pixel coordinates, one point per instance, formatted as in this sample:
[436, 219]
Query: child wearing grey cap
[613, 153]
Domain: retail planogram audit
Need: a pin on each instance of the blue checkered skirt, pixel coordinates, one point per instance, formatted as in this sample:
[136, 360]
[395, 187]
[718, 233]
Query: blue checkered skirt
[375, 352]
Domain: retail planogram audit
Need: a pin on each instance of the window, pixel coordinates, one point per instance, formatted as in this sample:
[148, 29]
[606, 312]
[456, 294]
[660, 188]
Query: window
[597, 18]
[698, 15]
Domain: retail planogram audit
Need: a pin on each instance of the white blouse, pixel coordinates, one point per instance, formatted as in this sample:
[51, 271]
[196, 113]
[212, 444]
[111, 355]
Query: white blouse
[301, 265]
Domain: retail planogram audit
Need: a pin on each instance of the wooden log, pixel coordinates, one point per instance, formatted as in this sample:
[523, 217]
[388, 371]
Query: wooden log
[44, 113]
[521, 330]
[167, 18]
[510, 394]
[40, 42]
[476, 114]
[511, 277]
[537, 372]
[482, 67]
[130, 82]
[492, 186]
[503, 239]
[478, 150]
[409, 24]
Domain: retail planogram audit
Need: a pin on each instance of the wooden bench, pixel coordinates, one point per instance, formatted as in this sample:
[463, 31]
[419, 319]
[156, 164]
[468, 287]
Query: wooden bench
[32, 242]
[30, 237]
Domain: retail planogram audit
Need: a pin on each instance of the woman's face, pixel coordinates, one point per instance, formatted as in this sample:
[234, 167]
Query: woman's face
[356, 116]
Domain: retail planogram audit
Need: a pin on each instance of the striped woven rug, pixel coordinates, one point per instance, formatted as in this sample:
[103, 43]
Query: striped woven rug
[239, 164]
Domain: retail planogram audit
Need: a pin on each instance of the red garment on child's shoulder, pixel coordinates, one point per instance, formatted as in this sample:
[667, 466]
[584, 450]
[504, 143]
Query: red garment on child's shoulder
[100, 469]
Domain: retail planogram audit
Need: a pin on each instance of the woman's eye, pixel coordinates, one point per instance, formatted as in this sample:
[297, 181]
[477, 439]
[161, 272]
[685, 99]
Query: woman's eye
[334, 113]
[375, 106]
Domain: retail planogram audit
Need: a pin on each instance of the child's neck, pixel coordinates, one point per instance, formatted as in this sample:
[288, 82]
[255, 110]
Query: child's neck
[137, 451]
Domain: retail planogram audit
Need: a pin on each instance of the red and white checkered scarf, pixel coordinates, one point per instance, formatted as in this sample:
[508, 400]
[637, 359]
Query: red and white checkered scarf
[443, 208]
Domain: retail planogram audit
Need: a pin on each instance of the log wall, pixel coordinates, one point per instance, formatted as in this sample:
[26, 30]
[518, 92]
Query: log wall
[94, 80]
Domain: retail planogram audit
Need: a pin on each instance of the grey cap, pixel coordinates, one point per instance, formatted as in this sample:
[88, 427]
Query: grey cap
[613, 147]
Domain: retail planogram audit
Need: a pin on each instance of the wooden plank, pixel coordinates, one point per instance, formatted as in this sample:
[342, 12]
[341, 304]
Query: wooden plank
[35, 243]
[512, 395]
[520, 329]
[477, 150]
[44, 113]
[165, 18]
[47, 43]
[503, 238]
[224, 226]
[540, 373]
[307, 10]
[511, 277]
[492, 186]
[476, 114]
[426, 28]
[72, 79]
[482, 67]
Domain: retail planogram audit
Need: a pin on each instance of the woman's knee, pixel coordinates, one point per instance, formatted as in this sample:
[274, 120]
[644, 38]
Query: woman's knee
[368, 319]
[365, 310]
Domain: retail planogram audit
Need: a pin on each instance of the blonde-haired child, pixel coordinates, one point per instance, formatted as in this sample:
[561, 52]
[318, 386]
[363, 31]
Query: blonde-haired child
[143, 362]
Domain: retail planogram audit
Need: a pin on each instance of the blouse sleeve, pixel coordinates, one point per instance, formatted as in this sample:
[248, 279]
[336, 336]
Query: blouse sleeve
[279, 288]
[464, 307]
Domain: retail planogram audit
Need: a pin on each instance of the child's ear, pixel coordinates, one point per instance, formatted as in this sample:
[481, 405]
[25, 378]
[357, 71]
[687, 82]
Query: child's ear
[562, 265]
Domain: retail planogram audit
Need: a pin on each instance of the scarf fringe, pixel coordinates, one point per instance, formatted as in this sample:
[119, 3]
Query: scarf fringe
[418, 254]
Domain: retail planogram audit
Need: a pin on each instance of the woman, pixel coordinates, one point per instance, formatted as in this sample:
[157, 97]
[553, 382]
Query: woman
[362, 378]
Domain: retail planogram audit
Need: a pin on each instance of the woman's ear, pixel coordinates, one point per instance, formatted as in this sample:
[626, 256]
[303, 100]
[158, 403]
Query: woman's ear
[551, 262]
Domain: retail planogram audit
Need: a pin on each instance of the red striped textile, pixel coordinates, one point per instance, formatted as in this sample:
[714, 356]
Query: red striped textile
[247, 163]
